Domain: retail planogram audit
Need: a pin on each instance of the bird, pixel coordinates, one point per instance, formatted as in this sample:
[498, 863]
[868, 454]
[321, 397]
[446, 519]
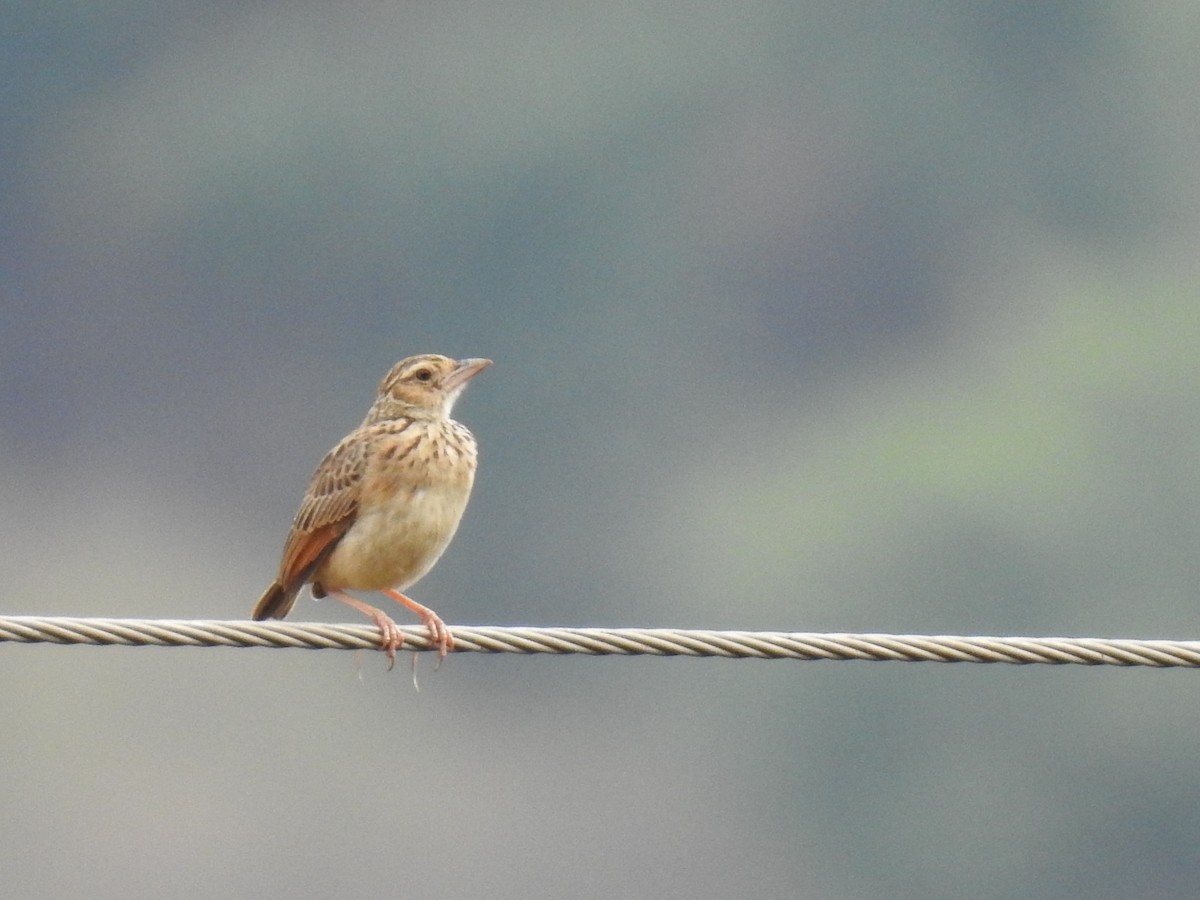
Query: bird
[383, 504]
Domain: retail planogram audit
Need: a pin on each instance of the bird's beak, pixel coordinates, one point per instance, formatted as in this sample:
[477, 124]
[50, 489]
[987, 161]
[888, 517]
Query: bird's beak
[465, 371]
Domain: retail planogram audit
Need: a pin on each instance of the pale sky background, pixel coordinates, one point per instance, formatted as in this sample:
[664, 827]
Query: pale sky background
[842, 316]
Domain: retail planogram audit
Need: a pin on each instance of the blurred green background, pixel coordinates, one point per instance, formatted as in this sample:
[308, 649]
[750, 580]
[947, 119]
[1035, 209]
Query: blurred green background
[836, 316]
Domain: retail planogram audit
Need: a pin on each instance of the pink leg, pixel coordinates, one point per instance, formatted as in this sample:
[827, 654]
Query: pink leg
[391, 638]
[439, 634]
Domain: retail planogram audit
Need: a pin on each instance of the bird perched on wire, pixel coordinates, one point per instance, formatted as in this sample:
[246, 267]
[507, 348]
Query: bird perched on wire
[384, 503]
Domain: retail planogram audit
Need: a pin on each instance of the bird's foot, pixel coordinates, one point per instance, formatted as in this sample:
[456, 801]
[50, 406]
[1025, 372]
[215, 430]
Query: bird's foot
[439, 632]
[391, 638]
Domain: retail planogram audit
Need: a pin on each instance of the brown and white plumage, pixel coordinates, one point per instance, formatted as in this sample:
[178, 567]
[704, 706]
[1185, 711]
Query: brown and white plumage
[384, 503]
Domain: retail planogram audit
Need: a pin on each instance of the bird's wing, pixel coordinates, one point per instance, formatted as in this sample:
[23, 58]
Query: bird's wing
[327, 510]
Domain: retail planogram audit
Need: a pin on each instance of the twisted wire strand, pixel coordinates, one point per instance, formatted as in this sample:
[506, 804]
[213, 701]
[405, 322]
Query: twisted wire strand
[612, 641]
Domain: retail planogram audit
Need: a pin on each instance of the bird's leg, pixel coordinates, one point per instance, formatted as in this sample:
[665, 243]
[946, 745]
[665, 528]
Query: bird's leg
[391, 638]
[439, 634]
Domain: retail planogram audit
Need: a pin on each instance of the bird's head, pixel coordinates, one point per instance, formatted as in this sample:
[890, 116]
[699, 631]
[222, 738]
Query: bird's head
[423, 387]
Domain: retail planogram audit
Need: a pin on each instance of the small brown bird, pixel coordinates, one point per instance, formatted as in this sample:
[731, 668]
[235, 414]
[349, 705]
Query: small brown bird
[385, 502]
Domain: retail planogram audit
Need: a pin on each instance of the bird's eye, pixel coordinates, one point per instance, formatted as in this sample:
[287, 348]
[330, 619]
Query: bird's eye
[423, 375]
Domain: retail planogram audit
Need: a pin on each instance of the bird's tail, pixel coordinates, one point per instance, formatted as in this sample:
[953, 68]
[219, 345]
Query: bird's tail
[275, 603]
